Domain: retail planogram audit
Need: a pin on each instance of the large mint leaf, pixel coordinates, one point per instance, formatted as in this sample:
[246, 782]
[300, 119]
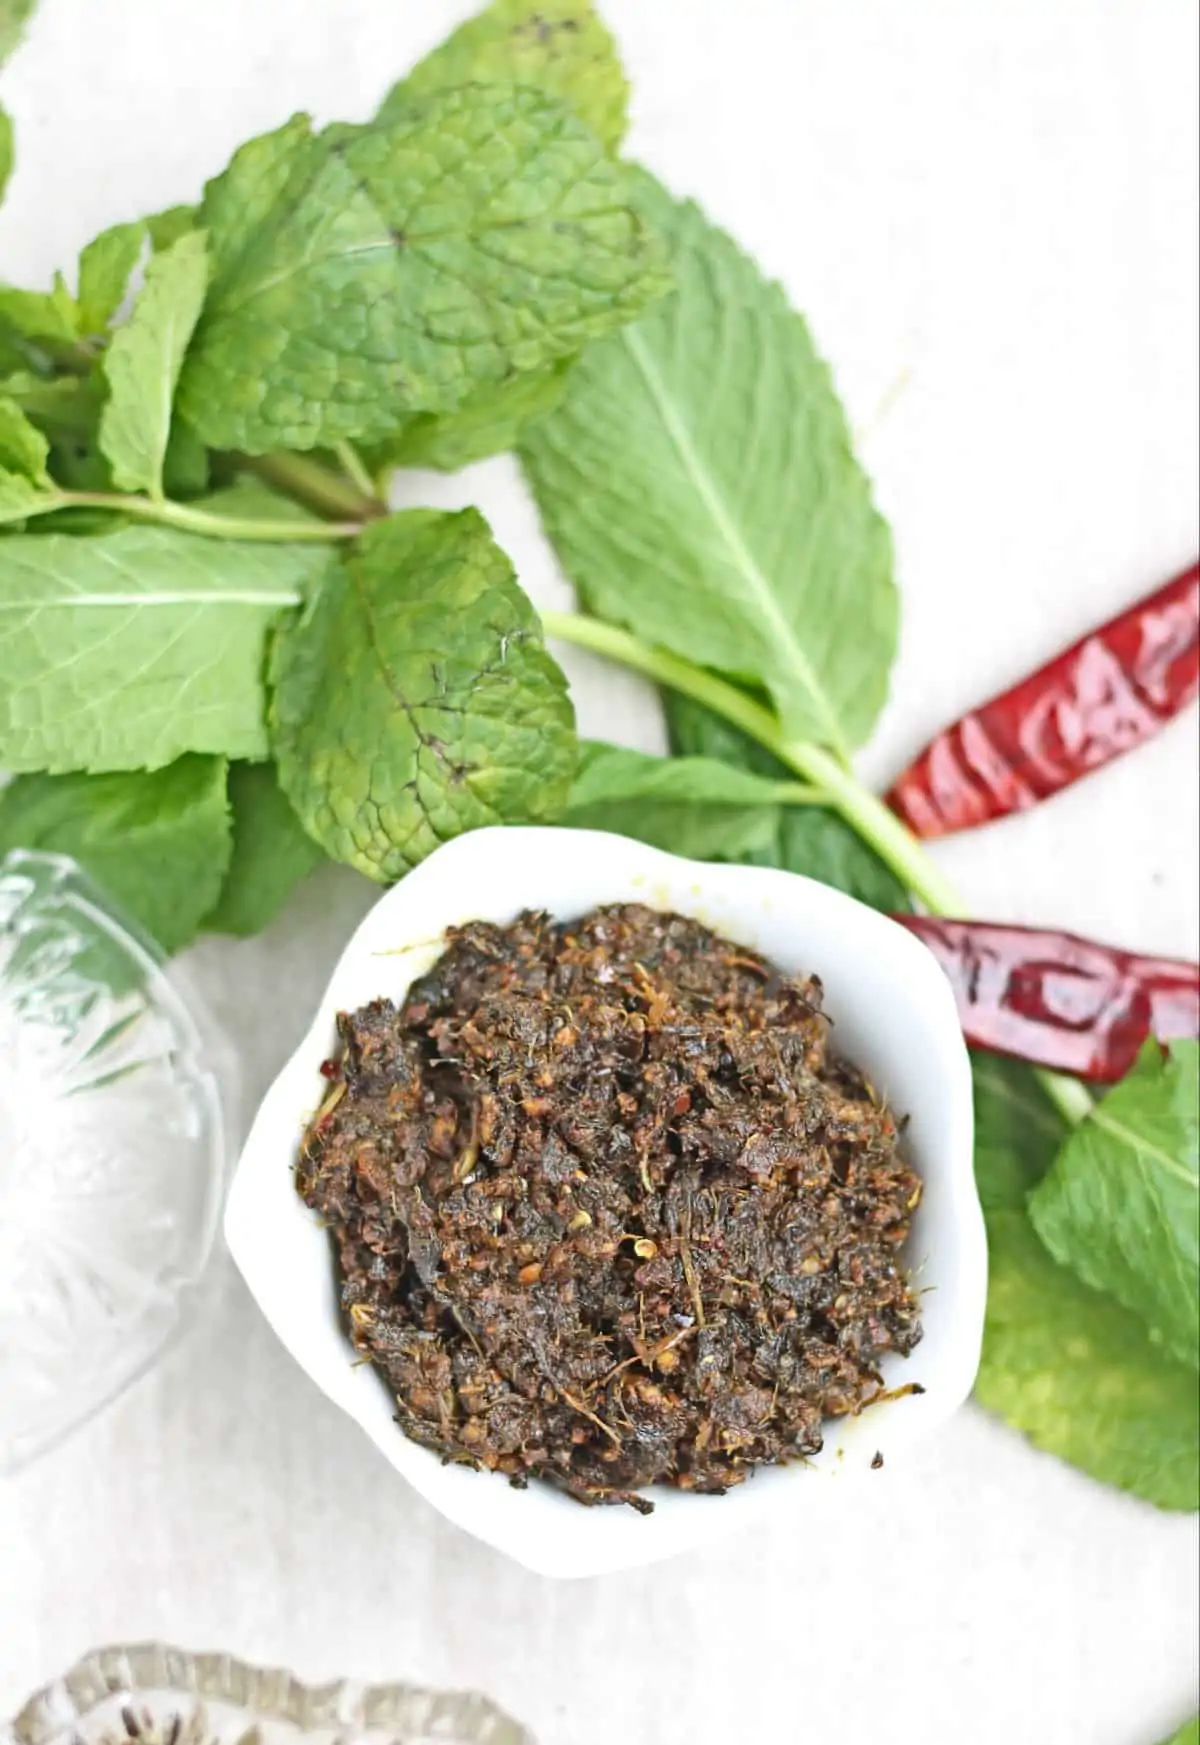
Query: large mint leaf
[561, 46]
[143, 362]
[413, 699]
[700, 489]
[811, 840]
[122, 652]
[1188, 1734]
[693, 806]
[272, 853]
[370, 273]
[1122, 1204]
[158, 843]
[105, 268]
[1068, 1367]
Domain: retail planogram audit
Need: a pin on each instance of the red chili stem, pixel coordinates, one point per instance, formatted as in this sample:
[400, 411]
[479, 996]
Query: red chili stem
[1059, 1001]
[1109, 692]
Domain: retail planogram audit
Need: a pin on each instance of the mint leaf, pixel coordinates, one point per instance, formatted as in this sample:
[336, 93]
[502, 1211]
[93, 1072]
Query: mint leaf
[272, 853]
[168, 226]
[23, 448]
[811, 840]
[14, 16]
[699, 487]
[247, 194]
[1188, 1734]
[6, 149]
[1122, 1204]
[1076, 1373]
[821, 845]
[692, 806]
[143, 363]
[1071, 1369]
[561, 46]
[158, 844]
[55, 404]
[24, 484]
[413, 699]
[69, 410]
[370, 273]
[124, 651]
[105, 268]
[1017, 1132]
[48, 315]
[488, 422]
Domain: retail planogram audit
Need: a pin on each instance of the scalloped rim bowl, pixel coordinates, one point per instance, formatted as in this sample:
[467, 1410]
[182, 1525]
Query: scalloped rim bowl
[894, 1013]
[214, 1699]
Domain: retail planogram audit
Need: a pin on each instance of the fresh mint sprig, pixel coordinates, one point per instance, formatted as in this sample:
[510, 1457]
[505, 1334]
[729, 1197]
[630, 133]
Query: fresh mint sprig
[700, 488]
[410, 291]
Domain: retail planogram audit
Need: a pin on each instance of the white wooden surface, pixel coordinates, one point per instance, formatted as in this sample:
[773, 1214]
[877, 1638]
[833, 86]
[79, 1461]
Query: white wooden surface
[990, 215]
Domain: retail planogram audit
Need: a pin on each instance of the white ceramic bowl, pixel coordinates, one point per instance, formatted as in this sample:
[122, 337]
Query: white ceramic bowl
[894, 1014]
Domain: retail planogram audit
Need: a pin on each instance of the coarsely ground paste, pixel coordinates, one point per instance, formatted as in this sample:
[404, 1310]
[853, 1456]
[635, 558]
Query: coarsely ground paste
[608, 1210]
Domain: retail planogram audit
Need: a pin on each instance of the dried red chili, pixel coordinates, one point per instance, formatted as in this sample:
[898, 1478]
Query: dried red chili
[1106, 694]
[1057, 1000]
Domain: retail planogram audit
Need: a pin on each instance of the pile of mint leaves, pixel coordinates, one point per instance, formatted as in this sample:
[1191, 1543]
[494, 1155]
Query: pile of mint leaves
[222, 660]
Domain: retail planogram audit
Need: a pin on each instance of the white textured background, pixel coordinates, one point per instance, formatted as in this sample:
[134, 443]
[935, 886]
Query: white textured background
[990, 214]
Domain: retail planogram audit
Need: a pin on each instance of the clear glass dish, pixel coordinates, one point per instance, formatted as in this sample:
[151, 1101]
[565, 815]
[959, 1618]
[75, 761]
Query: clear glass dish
[153, 1695]
[112, 1153]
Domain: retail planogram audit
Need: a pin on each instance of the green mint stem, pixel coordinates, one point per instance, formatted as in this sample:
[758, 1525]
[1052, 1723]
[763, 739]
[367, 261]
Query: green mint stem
[189, 520]
[870, 818]
[1072, 1099]
[355, 469]
[892, 841]
[316, 486]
